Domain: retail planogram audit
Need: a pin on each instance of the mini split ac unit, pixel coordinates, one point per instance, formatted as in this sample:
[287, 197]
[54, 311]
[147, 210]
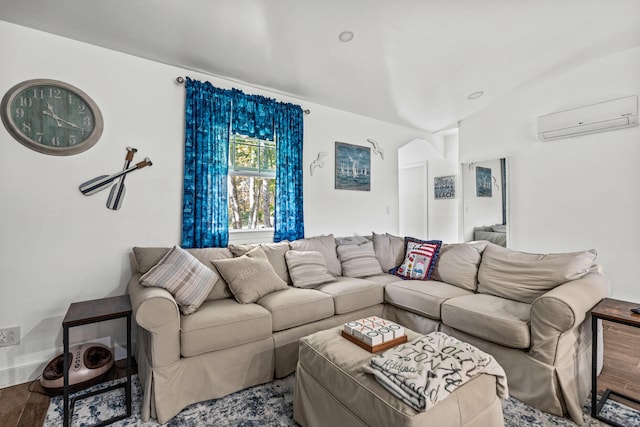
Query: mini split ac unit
[604, 116]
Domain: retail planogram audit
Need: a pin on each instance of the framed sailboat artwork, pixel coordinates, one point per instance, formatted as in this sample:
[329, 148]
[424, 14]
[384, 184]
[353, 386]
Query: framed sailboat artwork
[353, 167]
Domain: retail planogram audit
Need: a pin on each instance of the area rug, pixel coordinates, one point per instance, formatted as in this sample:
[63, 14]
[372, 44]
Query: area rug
[272, 405]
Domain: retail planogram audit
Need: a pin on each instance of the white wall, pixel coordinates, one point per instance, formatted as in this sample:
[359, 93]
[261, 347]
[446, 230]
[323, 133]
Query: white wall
[59, 246]
[570, 194]
[441, 154]
[344, 212]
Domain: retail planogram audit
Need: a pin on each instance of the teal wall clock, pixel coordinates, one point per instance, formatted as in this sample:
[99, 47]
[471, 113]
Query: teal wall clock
[51, 117]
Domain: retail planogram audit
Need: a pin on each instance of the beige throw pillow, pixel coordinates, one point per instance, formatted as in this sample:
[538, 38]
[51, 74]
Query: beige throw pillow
[358, 260]
[250, 276]
[186, 278]
[389, 250]
[326, 245]
[274, 252]
[458, 264]
[307, 268]
[523, 277]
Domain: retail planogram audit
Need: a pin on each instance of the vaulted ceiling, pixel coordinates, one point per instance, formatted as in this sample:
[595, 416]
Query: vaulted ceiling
[411, 62]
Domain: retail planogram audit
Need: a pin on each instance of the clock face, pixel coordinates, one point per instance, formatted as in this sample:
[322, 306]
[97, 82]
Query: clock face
[51, 117]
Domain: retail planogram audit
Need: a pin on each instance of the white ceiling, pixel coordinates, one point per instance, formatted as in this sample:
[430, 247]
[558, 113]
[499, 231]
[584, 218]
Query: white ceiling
[411, 62]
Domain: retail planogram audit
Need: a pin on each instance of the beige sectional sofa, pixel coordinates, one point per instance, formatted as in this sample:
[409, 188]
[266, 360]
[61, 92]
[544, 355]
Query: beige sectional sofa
[531, 312]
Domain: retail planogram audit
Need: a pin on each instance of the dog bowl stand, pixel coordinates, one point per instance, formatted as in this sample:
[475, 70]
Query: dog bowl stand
[84, 313]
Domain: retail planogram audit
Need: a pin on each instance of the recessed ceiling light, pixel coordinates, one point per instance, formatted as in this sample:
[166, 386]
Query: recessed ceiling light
[475, 95]
[345, 36]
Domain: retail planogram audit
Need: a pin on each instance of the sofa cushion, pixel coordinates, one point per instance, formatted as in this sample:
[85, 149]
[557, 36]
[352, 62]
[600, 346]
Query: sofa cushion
[295, 306]
[250, 276]
[222, 324]
[458, 263]
[352, 240]
[358, 260]
[523, 276]
[350, 294]
[424, 298]
[384, 278]
[186, 278]
[494, 319]
[307, 269]
[389, 250]
[419, 258]
[326, 245]
[274, 252]
[147, 257]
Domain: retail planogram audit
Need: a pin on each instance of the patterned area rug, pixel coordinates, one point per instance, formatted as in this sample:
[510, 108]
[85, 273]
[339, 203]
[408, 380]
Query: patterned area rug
[272, 405]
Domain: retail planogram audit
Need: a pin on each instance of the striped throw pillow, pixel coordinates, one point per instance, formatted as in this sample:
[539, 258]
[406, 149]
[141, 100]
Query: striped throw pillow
[186, 278]
[307, 268]
[359, 260]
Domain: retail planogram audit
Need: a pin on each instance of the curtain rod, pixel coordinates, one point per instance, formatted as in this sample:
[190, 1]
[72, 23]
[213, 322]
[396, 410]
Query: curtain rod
[181, 81]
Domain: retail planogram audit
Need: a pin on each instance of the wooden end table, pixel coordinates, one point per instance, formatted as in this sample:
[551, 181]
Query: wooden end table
[84, 313]
[614, 311]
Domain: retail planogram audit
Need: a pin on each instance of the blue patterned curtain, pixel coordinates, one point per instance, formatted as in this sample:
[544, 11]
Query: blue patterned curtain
[207, 122]
[253, 115]
[289, 216]
[211, 113]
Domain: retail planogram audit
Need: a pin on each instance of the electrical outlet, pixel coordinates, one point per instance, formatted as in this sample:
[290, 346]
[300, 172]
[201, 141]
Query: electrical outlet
[9, 336]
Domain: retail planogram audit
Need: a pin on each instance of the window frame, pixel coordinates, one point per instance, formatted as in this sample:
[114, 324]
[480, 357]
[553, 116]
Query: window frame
[233, 170]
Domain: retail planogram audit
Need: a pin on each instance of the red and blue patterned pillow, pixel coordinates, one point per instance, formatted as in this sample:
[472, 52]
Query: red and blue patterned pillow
[419, 260]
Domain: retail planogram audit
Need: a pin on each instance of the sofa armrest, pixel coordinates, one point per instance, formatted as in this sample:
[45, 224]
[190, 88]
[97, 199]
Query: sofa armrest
[155, 310]
[561, 309]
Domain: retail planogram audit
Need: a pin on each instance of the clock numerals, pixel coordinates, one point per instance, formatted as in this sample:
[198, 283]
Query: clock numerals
[55, 93]
[25, 101]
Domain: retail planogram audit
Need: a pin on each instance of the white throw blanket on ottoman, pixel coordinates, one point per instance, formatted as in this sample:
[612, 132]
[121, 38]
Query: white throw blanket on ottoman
[425, 370]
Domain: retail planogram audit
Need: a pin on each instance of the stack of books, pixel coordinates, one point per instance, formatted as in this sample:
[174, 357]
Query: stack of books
[374, 334]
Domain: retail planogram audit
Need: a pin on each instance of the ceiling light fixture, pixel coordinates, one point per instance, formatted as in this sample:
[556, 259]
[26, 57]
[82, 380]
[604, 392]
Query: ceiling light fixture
[475, 95]
[345, 36]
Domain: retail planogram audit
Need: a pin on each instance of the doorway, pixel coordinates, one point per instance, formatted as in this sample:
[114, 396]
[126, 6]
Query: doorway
[412, 191]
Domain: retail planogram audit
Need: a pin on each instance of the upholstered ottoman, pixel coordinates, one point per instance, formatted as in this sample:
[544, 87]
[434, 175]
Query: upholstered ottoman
[332, 390]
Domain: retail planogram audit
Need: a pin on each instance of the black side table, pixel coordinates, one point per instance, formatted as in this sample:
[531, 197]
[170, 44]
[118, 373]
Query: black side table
[614, 311]
[84, 313]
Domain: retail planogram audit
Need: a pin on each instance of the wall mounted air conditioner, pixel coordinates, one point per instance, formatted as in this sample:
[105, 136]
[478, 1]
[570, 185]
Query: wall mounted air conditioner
[604, 116]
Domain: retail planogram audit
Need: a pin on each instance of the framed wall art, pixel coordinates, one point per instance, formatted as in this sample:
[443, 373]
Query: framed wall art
[444, 187]
[353, 167]
[483, 182]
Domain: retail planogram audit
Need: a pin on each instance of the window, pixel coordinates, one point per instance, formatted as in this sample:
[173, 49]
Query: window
[252, 182]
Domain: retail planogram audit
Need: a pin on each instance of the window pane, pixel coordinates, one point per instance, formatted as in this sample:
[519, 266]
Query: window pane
[246, 157]
[268, 158]
[252, 155]
[251, 202]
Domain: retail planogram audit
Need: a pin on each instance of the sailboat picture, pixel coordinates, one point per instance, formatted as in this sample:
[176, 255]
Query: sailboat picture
[353, 167]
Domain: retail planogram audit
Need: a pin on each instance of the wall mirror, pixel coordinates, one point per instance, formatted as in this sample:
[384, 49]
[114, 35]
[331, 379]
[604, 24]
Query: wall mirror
[485, 208]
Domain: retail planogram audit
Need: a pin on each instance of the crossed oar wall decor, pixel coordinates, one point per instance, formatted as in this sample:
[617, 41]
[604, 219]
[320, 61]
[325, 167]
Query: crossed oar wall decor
[116, 195]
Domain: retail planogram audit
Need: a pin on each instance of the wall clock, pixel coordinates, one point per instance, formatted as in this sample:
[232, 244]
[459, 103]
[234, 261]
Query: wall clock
[51, 117]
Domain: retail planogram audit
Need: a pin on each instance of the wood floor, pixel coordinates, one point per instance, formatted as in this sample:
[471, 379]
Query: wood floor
[24, 405]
